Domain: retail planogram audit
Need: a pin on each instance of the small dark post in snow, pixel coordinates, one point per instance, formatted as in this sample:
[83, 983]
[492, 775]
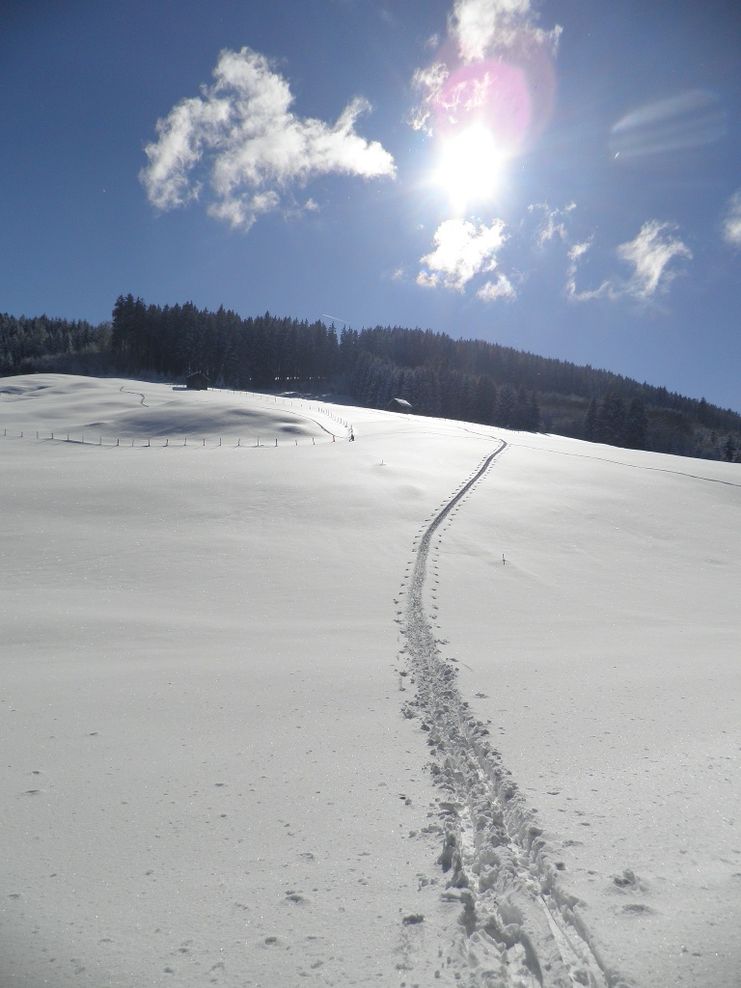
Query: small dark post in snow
[504, 561]
[118, 442]
[276, 441]
[167, 441]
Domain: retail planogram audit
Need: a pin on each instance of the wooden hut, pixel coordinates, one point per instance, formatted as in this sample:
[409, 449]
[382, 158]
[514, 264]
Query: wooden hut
[399, 405]
[197, 381]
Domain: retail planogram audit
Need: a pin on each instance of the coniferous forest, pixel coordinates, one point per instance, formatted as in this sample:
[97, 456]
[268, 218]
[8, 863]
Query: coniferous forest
[438, 375]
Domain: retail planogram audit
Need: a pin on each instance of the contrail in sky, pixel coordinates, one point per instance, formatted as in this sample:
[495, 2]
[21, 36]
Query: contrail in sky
[326, 315]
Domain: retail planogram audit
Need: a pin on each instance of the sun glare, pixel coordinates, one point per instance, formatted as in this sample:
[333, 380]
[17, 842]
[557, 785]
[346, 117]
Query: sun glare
[471, 166]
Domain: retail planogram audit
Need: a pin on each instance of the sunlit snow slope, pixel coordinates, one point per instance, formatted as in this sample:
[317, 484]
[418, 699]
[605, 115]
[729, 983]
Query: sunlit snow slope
[444, 704]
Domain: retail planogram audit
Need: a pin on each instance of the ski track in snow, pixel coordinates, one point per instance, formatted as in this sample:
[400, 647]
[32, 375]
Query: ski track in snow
[137, 394]
[518, 928]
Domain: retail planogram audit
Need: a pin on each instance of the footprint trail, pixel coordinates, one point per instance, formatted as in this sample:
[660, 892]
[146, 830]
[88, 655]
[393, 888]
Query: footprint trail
[518, 928]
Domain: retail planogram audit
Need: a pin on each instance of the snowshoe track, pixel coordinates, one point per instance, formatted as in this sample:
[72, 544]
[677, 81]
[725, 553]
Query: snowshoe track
[518, 928]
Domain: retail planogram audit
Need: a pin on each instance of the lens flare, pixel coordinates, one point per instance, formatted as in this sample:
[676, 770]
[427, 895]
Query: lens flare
[484, 114]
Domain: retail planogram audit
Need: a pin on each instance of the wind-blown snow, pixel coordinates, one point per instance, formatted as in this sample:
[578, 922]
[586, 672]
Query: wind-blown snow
[281, 716]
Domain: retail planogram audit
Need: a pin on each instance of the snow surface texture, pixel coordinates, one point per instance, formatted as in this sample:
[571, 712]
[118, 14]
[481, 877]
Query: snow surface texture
[216, 772]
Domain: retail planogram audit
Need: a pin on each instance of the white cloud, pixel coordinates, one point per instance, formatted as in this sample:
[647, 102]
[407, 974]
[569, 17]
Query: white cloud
[689, 119]
[578, 250]
[501, 30]
[462, 250]
[650, 254]
[553, 222]
[576, 253]
[489, 27]
[490, 291]
[732, 221]
[241, 140]
[428, 83]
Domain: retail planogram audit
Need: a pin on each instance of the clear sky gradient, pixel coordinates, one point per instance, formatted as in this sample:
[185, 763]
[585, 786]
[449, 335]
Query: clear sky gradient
[563, 177]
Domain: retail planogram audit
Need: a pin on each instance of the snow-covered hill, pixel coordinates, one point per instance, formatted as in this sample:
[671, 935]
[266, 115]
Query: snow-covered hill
[444, 705]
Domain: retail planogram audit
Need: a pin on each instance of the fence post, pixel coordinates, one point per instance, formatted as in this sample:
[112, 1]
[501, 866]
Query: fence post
[219, 440]
[132, 443]
[239, 442]
[118, 442]
[100, 440]
[204, 442]
[167, 442]
[149, 443]
[276, 441]
[185, 441]
[67, 439]
[52, 435]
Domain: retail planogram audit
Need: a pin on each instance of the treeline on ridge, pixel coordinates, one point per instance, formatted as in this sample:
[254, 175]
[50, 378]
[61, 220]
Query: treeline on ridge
[454, 378]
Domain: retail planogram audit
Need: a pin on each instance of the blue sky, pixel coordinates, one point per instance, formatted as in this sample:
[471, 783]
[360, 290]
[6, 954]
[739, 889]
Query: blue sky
[564, 177]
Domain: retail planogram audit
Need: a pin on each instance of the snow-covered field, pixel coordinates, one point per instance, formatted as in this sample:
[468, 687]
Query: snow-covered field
[444, 705]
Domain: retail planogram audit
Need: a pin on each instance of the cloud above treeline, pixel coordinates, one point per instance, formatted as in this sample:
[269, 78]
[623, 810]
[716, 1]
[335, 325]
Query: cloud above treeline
[732, 221]
[463, 250]
[240, 148]
[489, 27]
[477, 30]
[653, 255]
[466, 255]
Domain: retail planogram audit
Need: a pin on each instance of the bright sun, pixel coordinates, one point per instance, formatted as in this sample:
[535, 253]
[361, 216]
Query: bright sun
[471, 166]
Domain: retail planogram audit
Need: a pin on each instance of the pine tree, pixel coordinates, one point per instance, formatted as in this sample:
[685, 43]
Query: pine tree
[636, 425]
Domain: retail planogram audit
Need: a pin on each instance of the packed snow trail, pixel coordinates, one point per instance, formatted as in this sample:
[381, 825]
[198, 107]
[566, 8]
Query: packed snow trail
[518, 927]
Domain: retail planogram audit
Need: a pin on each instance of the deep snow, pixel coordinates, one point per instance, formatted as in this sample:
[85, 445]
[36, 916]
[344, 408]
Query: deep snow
[218, 741]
